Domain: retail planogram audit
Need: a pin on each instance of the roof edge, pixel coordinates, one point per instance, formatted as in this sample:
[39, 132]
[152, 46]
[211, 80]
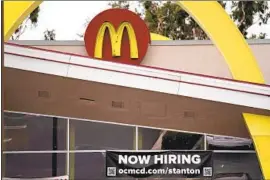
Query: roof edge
[153, 43]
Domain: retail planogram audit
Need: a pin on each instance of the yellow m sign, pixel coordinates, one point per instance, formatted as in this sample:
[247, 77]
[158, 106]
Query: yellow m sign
[116, 39]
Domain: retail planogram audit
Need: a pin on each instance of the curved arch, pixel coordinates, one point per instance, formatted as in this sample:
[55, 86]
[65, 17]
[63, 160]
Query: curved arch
[15, 13]
[227, 38]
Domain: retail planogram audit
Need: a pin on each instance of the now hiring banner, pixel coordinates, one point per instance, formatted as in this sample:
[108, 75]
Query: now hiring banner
[174, 164]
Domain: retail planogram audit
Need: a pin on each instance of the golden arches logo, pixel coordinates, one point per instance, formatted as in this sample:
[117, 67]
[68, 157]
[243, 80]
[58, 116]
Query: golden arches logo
[116, 36]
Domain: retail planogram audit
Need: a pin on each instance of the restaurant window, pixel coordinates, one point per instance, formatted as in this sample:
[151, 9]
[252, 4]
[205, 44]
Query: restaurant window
[34, 165]
[34, 146]
[149, 139]
[182, 141]
[87, 135]
[216, 142]
[233, 157]
[88, 165]
[24, 132]
[231, 165]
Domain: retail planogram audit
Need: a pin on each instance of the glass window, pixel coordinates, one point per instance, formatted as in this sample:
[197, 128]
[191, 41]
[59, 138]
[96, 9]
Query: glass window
[228, 164]
[86, 135]
[33, 133]
[36, 165]
[216, 142]
[87, 166]
[182, 141]
[149, 139]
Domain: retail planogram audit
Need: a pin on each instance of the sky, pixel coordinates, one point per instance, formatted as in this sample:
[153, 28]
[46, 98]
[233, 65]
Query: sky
[68, 19]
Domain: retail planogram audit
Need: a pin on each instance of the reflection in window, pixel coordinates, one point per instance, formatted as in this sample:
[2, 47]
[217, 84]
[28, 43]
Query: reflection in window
[88, 166]
[182, 141]
[29, 133]
[228, 143]
[245, 163]
[92, 136]
[150, 138]
[33, 165]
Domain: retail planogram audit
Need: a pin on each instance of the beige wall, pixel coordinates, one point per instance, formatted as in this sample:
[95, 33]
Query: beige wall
[192, 56]
[143, 108]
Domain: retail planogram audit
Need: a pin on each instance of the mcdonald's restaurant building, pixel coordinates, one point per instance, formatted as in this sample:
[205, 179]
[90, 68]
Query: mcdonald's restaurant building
[65, 102]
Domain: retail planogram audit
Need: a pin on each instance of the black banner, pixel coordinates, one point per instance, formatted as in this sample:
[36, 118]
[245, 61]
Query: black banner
[174, 164]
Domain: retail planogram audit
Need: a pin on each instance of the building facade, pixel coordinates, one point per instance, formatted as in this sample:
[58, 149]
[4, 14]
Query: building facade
[36, 104]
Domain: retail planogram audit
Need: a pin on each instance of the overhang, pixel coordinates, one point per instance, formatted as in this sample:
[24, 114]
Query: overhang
[192, 56]
[62, 84]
